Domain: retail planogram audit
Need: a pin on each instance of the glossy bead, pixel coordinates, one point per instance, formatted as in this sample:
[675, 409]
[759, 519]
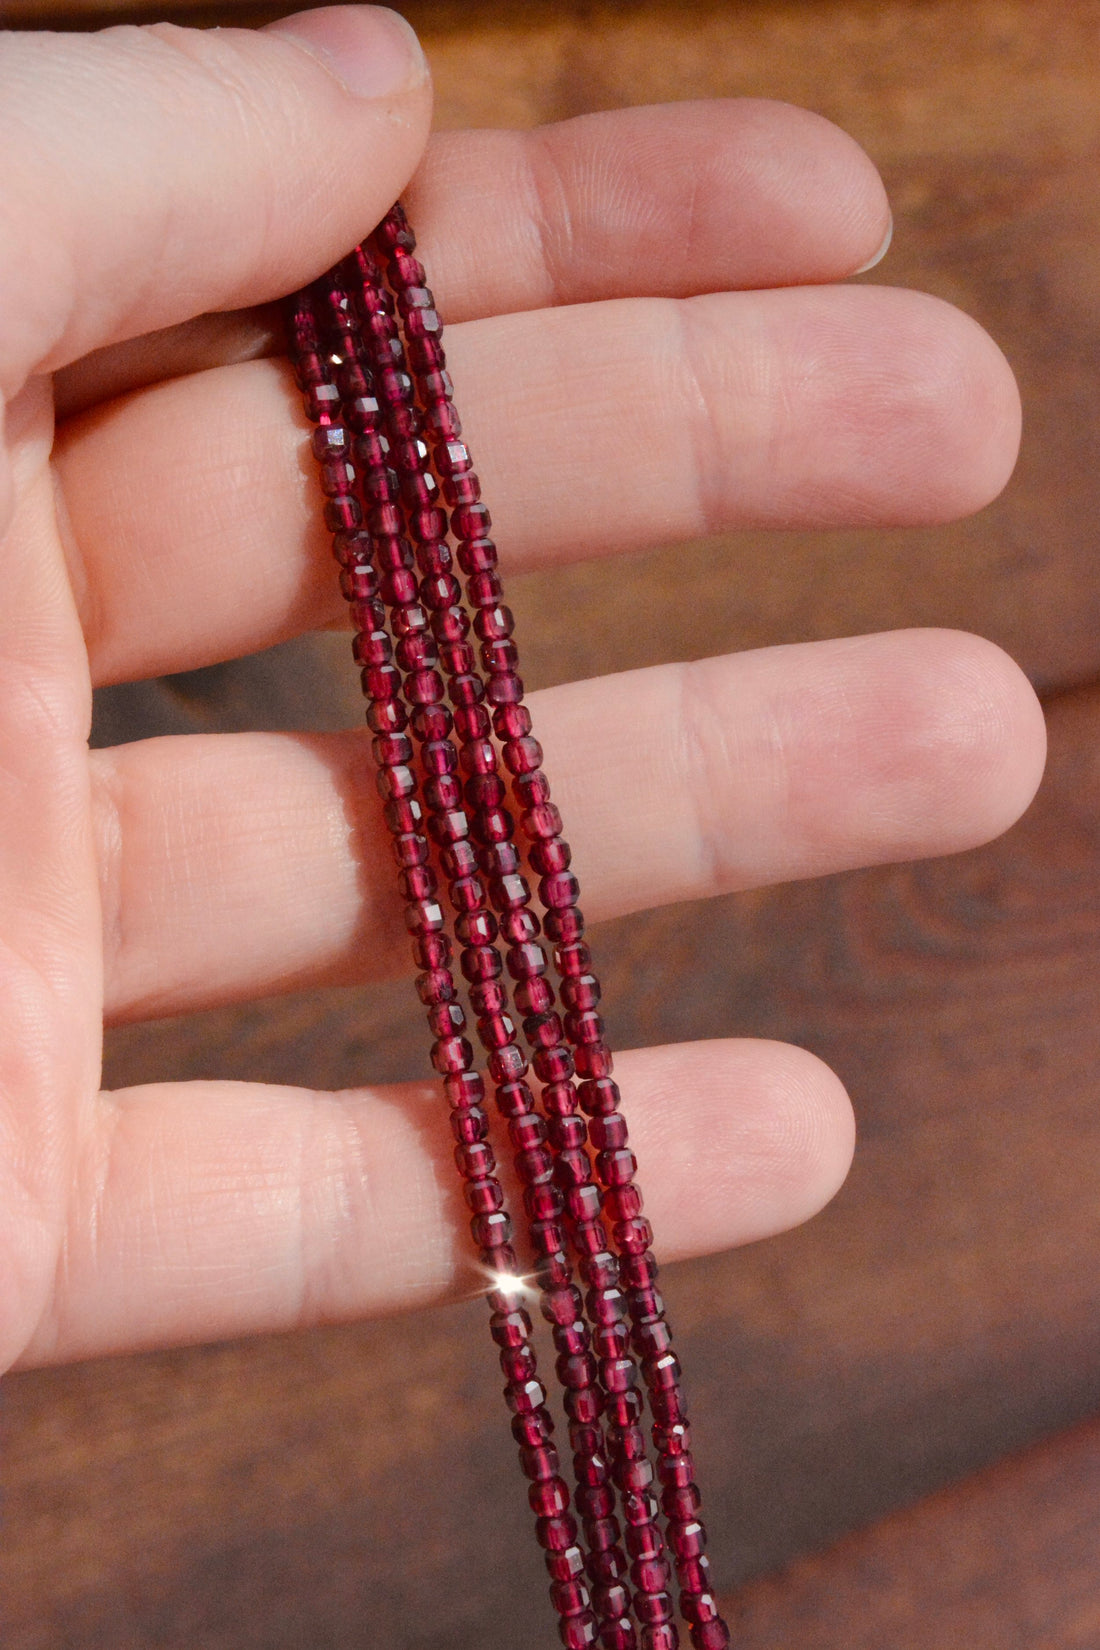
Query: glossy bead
[578, 1632]
[556, 1533]
[710, 1635]
[566, 1564]
[465, 1088]
[660, 1636]
[475, 1162]
[447, 1019]
[450, 1054]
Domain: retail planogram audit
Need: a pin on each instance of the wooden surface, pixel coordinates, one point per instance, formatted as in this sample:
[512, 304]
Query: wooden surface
[945, 1311]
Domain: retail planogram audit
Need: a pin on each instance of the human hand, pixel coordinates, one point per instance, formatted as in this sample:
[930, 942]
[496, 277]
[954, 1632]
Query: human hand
[645, 346]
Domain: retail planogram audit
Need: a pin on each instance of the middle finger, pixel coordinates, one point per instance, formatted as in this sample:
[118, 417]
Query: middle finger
[596, 429]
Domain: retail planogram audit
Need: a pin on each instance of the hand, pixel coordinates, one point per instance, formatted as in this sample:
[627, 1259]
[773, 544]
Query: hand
[645, 345]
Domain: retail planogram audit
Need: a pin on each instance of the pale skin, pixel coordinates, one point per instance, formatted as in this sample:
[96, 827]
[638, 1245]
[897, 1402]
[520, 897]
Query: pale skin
[650, 305]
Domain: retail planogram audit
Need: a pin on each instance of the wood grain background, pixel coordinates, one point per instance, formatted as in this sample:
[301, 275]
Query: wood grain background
[355, 1485]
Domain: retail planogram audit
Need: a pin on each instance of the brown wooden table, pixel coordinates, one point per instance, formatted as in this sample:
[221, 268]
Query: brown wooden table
[944, 1313]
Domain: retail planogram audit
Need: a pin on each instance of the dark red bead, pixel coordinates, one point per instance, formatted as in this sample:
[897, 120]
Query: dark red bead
[507, 1065]
[532, 1429]
[549, 1498]
[470, 1126]
[446, 1019]
[488, 997]
[451, 1054]
[710, 1635]
[483, 1197]
[556, 1533]
[578, 1632]
[661, 1635]
[465, 1088]
[474, 1161]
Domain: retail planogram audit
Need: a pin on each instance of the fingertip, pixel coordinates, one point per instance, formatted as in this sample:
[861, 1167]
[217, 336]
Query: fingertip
[738, 1139]
[372, 51]
[994, 737]
[963, 417]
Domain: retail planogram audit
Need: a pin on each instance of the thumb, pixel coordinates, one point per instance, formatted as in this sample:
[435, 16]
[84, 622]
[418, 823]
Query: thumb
[150, 174]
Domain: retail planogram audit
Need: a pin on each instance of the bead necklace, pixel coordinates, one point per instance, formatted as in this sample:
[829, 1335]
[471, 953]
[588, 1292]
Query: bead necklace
[404, 506]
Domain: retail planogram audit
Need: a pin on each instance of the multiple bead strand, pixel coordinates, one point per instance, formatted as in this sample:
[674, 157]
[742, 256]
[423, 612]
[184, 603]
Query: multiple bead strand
[582, 1378]
[384, 401]
[430, 721]
[457, 813]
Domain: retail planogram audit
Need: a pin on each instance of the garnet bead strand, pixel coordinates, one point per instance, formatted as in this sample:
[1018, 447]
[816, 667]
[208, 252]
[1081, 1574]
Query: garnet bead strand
[430, 723]
[398, 483]
[544, 1030]
[451, 1053]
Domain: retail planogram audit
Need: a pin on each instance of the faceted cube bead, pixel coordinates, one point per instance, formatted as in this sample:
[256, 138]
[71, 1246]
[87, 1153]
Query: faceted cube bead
[644, 1541]
[687, 1538]
[617, 1167]
[436, 986]
[594, 1060]
[535, 1167]
[618, 1634]
[606, 1564]
[552, 856]
[710, 1635]
[662, 1372]
[483, 1197]
[424, 916]
[462, 487]
[681, 1503]
[653, 1608]
[554, 1065]
[418, 883]
[540, 1463]
[492, 1230]
[472, 721]
[633, 1236]
[611, 1340]
[451, 1054]
[410, 848]
[566, 1564]
[478, 556]
[459, 860]
[550, 1497]
[565, 926]
[476, 1161]
[653, 1338]
[569, 1598]
[578, 1632]
[432, 950]
[525, 1398]
[447, 1019]
[534, 996]
[556, 1533]
[517, 1363]
[531, 1428]
[470, 1126]
[488, 997]
[676, 1465]
[659, 1636]
[595, 1501]
[507, 1065]
[608, 1132]
[624, 1408]
[505, 689]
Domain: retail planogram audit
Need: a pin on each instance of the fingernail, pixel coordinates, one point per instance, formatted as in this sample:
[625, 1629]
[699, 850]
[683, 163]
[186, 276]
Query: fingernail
[881, 253]
[370, 49]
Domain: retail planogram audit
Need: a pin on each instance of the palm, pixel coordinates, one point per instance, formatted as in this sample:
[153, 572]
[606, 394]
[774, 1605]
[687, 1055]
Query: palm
[176, 525]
